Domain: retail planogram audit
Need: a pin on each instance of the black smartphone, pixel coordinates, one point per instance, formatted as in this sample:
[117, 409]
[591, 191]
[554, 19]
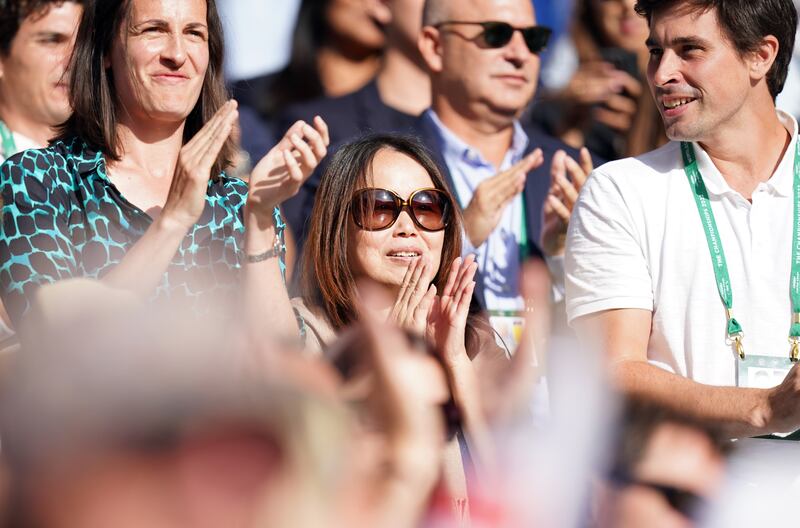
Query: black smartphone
[622, 60]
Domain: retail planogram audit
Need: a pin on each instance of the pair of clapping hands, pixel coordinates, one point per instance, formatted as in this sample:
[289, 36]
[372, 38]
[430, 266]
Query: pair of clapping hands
[275, 178]
[494, 194]
[442, 319]
[409, 391]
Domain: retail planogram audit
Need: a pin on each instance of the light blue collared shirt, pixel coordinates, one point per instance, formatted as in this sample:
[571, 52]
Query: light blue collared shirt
[499, 256]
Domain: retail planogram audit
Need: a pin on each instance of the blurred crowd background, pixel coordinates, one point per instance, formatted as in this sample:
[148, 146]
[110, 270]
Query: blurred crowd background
[116, 412]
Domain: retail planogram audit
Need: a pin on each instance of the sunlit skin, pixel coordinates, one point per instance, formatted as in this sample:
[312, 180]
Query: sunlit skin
[160, 60]
[691, 60]
[33, 84]
[370, 252]
[482, 81]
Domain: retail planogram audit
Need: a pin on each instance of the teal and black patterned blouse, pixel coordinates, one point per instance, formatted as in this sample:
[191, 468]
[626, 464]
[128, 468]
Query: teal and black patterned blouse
[63, 218]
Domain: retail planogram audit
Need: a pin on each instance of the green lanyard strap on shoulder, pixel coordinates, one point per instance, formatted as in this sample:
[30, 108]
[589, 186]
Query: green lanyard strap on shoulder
[794, 280]
[9, 145]
[700, 193]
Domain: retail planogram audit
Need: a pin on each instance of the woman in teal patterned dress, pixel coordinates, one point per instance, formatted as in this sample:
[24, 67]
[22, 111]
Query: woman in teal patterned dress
[133, 192]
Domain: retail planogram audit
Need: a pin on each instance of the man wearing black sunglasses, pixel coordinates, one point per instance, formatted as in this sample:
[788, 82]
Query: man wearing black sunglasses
[483, 56]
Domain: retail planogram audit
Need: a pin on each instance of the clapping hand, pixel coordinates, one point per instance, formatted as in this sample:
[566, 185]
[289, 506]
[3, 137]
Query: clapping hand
[412, 306]
[561, 198]
[447, 321]
[187, 192]
[493, 195]
[279, 174]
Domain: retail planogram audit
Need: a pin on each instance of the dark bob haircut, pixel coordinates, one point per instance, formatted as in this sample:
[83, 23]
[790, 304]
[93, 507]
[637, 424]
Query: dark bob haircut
[328, 280]
[745, 23]
[91, 92]
[14, 12]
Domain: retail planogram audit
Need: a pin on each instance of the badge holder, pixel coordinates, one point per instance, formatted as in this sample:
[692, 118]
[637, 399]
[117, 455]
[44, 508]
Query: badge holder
[762, 372]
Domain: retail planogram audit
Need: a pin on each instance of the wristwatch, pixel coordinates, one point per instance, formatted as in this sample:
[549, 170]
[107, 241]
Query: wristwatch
[275, 251]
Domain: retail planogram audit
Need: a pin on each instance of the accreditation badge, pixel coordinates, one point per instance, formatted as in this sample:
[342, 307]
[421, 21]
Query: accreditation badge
[508, 325]
[762, 372]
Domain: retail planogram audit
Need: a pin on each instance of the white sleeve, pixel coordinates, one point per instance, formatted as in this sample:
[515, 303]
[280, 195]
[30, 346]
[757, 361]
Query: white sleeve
[605, 263]
[555, 264]
[466, 245]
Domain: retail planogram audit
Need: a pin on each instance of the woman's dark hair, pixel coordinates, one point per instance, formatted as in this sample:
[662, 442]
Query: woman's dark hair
[91, 92]
[14, 12]
[646, 131]
[299, 80]
[327, 280]
[745, 23]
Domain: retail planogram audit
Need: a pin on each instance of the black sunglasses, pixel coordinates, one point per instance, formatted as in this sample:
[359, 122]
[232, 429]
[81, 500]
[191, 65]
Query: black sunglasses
[689, 504]
[498, 34]
[375, 209]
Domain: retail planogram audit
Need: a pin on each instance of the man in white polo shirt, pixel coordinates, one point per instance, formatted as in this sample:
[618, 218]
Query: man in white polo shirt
[679, 262]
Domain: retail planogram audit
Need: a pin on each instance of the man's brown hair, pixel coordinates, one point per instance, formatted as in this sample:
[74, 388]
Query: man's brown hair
[745, 23]
[14, 12]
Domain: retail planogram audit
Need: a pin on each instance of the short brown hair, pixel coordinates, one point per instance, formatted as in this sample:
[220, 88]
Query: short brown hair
[91, 87]
[328, 280]
[745, 23]
[14, 12]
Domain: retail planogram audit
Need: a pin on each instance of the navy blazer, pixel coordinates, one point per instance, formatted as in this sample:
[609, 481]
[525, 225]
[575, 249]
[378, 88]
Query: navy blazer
[350, 115]
[537, 183]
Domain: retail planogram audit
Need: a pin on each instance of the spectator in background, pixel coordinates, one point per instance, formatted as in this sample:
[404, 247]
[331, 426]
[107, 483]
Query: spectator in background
[36, 38]
[389, 103]
[336, 49]
[484, 63]
[601, 102]
[393, 99]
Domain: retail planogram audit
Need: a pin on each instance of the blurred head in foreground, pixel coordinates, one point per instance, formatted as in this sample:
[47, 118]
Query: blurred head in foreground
[667, 469]
[152, 422]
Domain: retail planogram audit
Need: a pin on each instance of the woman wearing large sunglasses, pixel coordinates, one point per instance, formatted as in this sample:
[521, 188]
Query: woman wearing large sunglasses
[383, 212]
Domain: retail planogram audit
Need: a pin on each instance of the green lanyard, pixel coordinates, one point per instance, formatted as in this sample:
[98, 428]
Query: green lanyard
[700, 193]
[9, 146]
[523, 232]
[524, 247]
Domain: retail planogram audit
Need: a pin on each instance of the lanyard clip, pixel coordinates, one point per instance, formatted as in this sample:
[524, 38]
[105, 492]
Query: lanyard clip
[739, 347]
[794, 351]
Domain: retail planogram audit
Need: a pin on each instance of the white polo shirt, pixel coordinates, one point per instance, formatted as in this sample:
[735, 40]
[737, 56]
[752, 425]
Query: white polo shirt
[635, 241]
